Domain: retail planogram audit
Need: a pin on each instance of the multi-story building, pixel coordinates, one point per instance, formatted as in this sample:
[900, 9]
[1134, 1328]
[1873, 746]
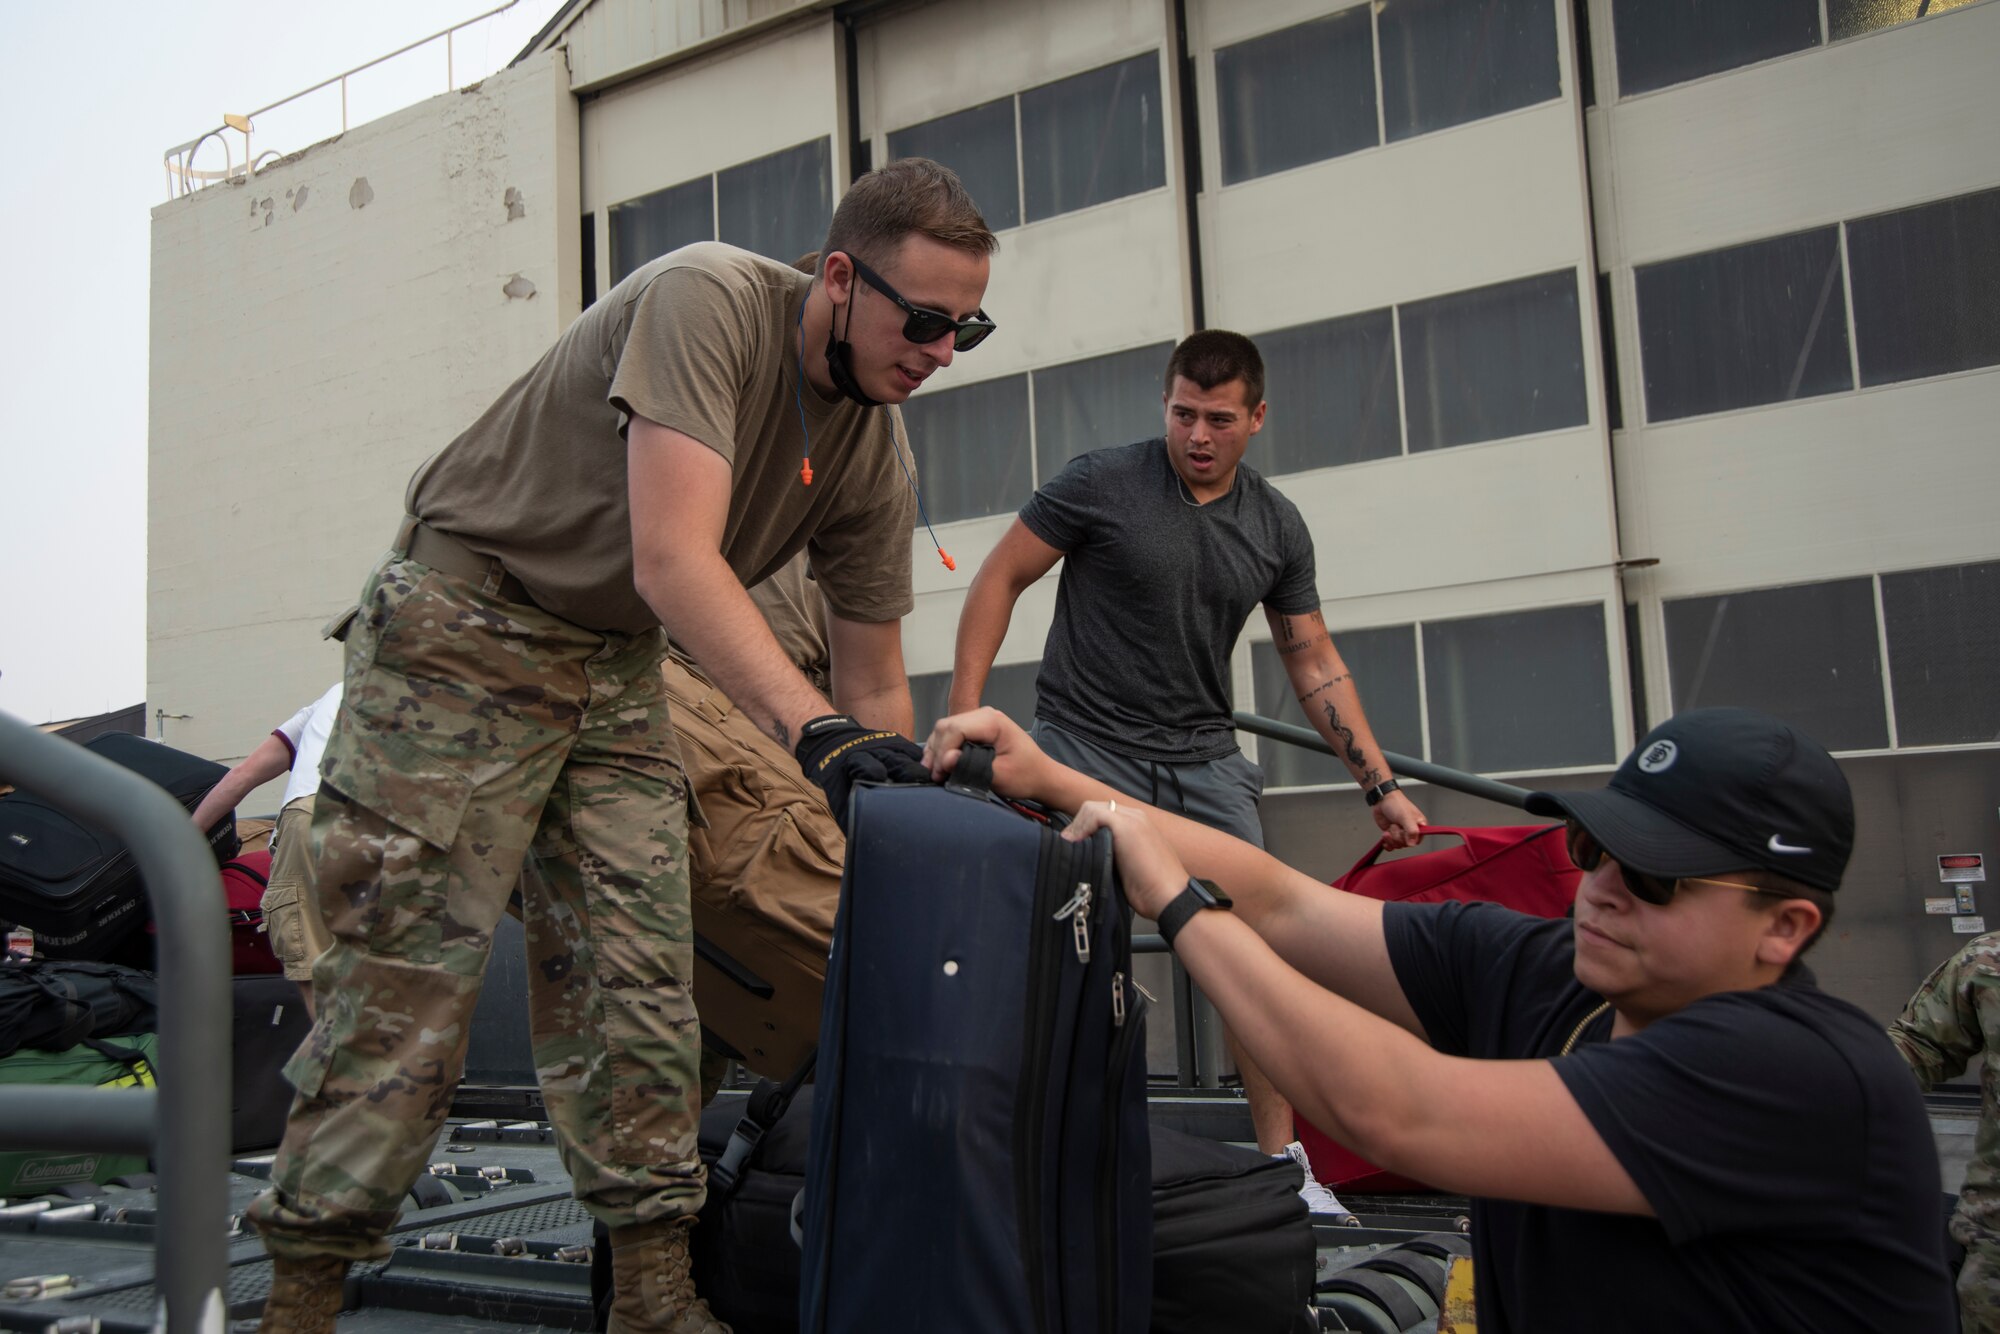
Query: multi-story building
[1625, 355]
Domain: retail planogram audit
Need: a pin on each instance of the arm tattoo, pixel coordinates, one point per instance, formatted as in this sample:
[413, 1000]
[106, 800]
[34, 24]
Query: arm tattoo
[1302, 632]
[782, 734]
[1326, 685]
[1352, 753]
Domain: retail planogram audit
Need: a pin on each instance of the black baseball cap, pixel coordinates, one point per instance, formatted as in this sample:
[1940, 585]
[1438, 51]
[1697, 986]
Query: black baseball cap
[1715, 790]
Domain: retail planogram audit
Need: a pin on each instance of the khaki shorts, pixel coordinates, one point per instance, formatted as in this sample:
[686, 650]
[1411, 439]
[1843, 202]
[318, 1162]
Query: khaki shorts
[291, 901]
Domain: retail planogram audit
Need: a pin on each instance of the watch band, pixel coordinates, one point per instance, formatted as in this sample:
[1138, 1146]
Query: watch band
[1381, 790]
[1185, 905]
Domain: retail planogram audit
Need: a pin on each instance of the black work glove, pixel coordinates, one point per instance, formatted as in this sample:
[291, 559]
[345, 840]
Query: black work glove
[836, 752]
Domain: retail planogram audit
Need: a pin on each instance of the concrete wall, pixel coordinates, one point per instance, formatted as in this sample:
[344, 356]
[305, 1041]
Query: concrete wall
[317, 332]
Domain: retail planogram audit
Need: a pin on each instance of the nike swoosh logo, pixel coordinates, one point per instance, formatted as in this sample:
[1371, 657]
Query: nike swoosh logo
[1779, 845]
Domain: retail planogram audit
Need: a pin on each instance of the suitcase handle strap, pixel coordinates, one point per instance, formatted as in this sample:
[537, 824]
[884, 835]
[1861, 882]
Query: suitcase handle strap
[1430, 831]
[974, 774]
[767, 1106]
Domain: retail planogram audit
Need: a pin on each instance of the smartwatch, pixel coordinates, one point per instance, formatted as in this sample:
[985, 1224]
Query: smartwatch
[1381, 790]
[1199, 894]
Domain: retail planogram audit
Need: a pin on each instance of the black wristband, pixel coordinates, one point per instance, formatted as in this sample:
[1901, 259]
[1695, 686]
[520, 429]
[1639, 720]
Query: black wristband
[1199, 894]
[1381, 790]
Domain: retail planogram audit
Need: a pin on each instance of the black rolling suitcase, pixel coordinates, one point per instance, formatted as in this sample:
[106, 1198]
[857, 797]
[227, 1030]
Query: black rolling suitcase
[979, 1156]
[78, 890]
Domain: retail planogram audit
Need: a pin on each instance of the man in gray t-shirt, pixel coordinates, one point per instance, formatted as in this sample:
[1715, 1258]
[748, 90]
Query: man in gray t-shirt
[1167, 547]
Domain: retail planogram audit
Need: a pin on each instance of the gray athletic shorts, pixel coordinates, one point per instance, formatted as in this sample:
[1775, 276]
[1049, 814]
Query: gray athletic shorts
[1221, 793]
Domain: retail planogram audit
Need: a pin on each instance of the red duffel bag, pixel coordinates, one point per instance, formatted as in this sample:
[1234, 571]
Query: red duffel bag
[1525, 867]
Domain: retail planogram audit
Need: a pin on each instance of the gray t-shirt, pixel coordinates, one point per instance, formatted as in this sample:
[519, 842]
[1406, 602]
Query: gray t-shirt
[1155, 589]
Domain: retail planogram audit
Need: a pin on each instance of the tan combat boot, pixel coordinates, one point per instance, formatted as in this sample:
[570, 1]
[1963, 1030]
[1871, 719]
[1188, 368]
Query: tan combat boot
[652, 1291]
[305, 1295]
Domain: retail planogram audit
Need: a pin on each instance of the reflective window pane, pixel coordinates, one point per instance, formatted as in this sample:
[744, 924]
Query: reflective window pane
[1332, 390]
[1494, 362]
[1092, 137]
[971, 445]
[978, 144]
[1519, 691]
[1847, 18]
[1927, 288]
[1086, 405]
[1662, 42]
[1383, 660]
[1297, 95]
[1445, 62]
[1758, 323]
[778, 205]
[1010, 689]
[646, 228]
[1944, 653]
[1807, 654]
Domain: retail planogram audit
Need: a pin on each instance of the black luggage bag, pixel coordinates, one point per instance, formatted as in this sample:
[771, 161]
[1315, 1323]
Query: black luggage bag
[979, 1155]
[77, 889]
[1233, 1245]
[270, 1023]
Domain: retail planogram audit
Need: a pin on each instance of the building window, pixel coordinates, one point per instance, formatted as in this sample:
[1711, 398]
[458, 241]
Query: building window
[650, 226]
[1494, 362]
[1333, 384]
[1944, 653]
[1849, 18]
[1927, 288]
[978, 144]
[1086, 405]
[1298, 95]
[1093, 137]
[1383, 661]
[588, 236]
[1519, 691]
[1663, 42]
[1445, 62]
[1010, 689]
[1807, 654]
[972, 448]
[778, 205]
[1759, 323]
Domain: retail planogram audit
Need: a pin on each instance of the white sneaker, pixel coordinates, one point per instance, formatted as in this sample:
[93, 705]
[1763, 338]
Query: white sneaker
[1319, 1200]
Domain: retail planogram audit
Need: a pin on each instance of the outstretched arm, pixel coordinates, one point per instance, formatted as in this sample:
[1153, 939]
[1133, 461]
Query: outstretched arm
[271, 758]
[1332, 937]
[1503, 1129]
[1327, 693]
[1018, 560]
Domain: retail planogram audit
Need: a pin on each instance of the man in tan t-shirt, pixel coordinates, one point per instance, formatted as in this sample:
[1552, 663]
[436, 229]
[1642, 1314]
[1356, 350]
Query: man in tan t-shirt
[707, 419]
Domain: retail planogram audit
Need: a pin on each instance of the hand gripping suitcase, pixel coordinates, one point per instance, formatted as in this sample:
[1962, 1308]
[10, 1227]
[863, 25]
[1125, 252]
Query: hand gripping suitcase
[77, 889]
[1524, 867]
[979, 1157]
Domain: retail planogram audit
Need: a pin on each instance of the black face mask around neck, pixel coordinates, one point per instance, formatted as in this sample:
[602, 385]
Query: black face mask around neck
[839, 358]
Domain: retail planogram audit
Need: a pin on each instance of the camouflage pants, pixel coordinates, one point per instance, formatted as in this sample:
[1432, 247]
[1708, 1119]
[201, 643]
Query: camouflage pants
[1978, 1281]
[474, 732]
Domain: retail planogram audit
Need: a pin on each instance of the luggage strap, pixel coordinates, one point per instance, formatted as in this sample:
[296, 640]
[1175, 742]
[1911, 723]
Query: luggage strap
[767, 1106]
[974, 773]
[447, 555]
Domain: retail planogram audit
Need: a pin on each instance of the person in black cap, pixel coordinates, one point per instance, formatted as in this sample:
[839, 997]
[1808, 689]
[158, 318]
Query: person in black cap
[1665, 1123]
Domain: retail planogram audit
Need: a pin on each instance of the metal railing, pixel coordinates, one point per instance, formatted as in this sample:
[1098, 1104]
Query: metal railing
[184, 178]
[174, 1123]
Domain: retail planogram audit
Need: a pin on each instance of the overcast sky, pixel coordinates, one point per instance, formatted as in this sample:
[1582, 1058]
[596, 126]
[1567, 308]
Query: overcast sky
[93, 92]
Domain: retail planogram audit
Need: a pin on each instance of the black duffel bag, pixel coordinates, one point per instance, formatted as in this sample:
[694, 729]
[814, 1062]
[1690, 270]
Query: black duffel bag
[53, 1004]
[1232, 1242]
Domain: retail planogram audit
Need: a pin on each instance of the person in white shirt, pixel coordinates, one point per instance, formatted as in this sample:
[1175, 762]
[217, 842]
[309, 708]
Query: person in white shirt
[291, 901]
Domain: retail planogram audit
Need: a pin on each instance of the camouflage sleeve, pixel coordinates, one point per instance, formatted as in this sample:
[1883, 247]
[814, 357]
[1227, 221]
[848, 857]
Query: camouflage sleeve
[1946, 1022]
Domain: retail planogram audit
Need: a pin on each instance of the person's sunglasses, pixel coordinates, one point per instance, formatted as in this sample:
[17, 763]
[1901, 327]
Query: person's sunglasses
[923, 325]
[1654, 889]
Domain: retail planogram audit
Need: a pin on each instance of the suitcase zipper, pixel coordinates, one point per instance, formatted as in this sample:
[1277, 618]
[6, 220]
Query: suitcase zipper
[1044, 984]
[1077, 910]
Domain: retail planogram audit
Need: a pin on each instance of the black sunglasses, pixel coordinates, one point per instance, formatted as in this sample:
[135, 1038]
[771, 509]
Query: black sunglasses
[927, 326]
[1657, 890]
